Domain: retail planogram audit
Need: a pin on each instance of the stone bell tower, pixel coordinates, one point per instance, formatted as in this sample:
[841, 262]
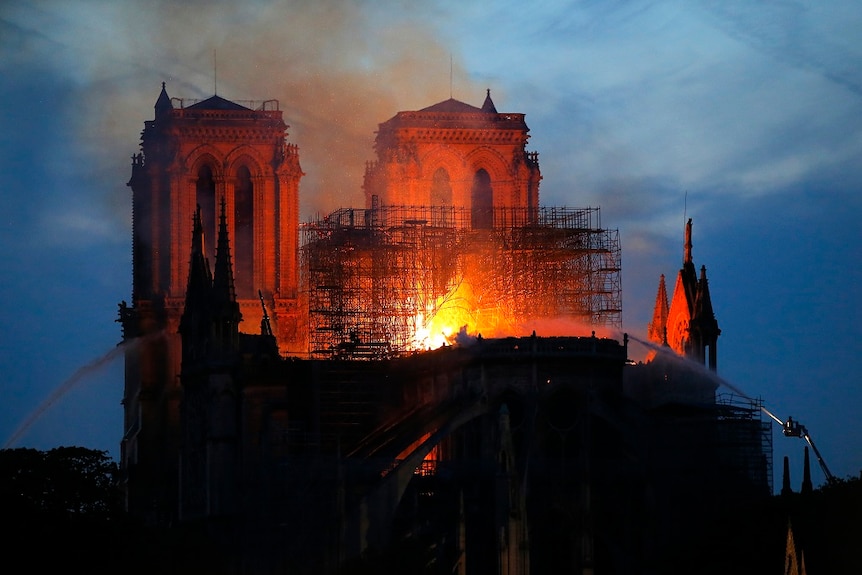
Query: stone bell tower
[455, 155]
[192, 156]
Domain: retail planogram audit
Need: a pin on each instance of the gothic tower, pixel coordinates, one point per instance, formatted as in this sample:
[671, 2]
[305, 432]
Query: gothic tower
[193, 157]
[454, 154]
[688, 324]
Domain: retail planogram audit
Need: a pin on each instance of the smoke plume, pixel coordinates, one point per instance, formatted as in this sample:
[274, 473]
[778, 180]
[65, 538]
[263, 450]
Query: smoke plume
[337, 68]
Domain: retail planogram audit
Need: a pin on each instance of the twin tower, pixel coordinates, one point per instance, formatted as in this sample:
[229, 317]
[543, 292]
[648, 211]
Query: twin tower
[232, 161]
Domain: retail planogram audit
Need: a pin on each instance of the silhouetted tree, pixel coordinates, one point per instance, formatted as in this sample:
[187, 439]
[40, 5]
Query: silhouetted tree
[829, 527]
[62, 484]
[62, 508]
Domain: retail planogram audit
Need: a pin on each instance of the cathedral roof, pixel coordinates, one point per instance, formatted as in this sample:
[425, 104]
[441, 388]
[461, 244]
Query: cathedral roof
[454, 114]
[216, 103]
[452, 106]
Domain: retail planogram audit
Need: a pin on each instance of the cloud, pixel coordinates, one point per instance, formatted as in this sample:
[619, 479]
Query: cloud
[734, 99]
[801, 35]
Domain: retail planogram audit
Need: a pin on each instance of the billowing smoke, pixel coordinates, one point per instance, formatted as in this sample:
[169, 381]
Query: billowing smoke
[337, 68]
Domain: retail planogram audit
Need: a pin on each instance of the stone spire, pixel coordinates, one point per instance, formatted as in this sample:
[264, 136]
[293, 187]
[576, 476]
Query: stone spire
[691, 327]
[688, 273]
[195, 322]
[794, 559]
[163, 104]
[704, 327]
[657, 331]
[223, 284]
[686, 256]
[488, 106]
[226, 314]
[703, 301]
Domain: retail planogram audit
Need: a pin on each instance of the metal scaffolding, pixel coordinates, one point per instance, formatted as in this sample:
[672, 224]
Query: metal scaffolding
[746, 439]
[374, 277]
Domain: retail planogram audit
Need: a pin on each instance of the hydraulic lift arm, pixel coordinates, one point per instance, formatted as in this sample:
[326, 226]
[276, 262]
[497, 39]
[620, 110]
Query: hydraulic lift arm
[792, 428]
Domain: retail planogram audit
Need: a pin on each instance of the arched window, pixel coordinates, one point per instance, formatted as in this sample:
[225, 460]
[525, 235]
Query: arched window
[205, 198]
[482, 201]
[244, 234]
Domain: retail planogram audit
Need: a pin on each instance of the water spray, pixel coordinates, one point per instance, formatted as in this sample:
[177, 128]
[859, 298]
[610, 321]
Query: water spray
[789, 428]
[76, 378]
[670, 354]
[770, 414]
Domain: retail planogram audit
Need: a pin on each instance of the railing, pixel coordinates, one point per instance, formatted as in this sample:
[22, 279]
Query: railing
[271, 105]
[561, 218]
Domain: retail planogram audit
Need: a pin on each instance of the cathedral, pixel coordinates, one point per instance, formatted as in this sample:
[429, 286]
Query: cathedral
[286, 396]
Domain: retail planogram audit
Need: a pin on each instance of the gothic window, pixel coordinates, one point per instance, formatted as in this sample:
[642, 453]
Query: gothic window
[244, 233]
[205, 198]
[482, 201]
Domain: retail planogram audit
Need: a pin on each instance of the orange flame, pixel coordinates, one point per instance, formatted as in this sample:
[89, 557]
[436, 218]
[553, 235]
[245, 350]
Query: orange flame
[466, 309]
[444, 318]
[479, 304]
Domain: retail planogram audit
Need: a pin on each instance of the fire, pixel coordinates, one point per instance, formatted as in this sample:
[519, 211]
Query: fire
[391, 279]
[463, 311]
[444, 318]
[468, 310]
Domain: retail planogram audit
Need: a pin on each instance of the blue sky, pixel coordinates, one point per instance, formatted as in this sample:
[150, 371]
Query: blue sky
[746, 117]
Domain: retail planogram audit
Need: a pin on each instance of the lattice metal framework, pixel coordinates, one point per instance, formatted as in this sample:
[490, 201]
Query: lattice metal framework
[373, 277]
[746, 438]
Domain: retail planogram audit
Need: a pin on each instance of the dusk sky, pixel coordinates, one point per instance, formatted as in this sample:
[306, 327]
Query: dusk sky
[744, 116]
